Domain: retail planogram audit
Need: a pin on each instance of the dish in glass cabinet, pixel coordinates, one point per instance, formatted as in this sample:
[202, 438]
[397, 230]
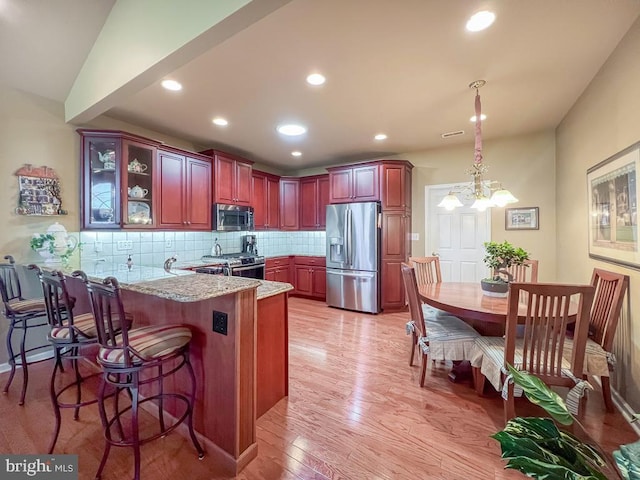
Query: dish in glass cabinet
[139, 212]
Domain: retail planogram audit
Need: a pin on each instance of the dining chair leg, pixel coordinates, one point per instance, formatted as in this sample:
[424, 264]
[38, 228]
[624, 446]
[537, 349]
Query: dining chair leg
[54, 401]
[12, 358]
[478, 380]
[423, 369]
[414, 341]
[509, 404]
[25, 367]
[606, 394]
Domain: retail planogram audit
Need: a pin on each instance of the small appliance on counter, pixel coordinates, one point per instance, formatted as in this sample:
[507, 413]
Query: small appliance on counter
[249, 244]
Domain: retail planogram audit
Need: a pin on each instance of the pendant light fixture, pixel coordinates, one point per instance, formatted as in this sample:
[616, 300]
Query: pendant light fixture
[485, 193]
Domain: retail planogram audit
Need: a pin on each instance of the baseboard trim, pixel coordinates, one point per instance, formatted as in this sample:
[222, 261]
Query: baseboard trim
[38, 357]
[621, 404]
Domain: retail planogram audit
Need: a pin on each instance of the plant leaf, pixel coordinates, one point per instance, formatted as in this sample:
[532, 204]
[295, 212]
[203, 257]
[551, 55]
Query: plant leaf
[540, 394]
[544, 471]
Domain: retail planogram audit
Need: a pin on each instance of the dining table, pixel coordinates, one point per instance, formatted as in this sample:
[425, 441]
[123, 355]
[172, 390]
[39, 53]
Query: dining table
[488, 315]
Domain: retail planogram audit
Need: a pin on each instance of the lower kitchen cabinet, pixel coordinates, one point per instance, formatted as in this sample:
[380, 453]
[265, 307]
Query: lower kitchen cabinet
[277, 269]
[310, 277]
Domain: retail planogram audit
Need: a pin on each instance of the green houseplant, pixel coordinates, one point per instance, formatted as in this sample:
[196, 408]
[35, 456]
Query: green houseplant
[536, 447]
[499, 257]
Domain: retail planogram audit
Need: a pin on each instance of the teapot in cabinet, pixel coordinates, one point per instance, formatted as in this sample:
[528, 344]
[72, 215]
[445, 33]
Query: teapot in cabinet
[137, 192]
[108, 159]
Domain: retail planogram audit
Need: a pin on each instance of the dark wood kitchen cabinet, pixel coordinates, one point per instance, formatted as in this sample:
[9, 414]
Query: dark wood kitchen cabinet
[354, 183]
[119, 180]
[310, 277]
[277, 269]
[314, 198]
[185, 190]
[289, 201]
[265, 198]
[396, 226]
[231, 178]
[395, 184]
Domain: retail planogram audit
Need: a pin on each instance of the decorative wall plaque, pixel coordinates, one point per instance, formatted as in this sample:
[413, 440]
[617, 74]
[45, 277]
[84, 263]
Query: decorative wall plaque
[39, 191]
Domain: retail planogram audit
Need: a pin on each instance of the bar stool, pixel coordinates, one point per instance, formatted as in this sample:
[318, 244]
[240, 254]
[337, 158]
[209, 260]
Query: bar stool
[22, 315]
[68, 335]
[133, 359]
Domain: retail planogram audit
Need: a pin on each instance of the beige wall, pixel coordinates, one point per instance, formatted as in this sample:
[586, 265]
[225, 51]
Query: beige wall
[602, 122]
[524, 164]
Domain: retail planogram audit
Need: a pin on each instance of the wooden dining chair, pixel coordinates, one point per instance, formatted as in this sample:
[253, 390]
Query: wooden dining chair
[527, 272]
[427, 269]
[540, 351]
[605, 313]
[451, 339]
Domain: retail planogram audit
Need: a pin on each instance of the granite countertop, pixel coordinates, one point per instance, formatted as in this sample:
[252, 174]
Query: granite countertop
[179, 285]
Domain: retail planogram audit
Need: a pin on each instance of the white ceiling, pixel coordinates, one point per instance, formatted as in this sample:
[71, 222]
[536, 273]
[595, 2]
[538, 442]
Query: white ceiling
[401, 67]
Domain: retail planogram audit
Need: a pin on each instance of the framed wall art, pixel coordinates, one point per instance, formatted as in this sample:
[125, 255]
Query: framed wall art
[613, 208]
[522, 218]
[39, 191]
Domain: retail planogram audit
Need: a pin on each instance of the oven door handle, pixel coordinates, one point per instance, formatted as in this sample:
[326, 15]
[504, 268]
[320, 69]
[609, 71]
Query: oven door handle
[247, 267]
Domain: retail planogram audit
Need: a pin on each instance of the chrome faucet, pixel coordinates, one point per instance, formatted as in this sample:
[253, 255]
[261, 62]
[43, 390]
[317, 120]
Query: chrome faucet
[169, 262]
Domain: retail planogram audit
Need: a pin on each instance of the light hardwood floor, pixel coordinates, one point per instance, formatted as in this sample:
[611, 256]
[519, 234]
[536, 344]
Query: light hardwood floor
[355, 411]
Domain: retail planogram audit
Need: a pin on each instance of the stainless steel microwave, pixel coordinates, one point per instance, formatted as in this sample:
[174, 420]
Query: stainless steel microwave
[232, 217]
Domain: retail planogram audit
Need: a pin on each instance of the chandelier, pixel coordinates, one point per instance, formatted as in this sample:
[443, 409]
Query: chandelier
[484, 192]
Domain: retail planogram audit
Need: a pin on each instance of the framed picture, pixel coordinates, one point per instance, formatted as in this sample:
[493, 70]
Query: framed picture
[521, 218]
[613, 209]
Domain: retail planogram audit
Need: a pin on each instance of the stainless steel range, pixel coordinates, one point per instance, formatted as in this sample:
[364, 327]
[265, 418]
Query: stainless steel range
[236, 264]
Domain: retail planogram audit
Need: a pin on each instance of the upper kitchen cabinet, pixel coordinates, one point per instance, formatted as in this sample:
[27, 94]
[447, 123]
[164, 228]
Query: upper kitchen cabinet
[354, 183]
[314, 198]
[265, 198]
[231, 178]
[117, 166]
[395, 184]
[185, 191]
[289, 199]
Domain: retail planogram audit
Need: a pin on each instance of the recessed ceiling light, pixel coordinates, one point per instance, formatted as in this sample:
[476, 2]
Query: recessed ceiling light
[316, 79]
[221, 122]
[172, 85]
[292, 129]
[296, 154]
[483, 117]
[480, 21]
[380, 136]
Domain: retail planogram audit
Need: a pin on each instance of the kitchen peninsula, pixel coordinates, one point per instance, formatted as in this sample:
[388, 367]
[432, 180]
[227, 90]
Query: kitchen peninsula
[239, 349]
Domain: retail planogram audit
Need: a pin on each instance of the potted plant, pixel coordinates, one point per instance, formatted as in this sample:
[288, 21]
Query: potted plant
[538, 448]
[43, 243]
[499, 257]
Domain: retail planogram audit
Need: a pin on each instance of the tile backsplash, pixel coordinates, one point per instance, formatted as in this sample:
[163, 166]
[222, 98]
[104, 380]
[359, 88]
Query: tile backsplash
[153, 248]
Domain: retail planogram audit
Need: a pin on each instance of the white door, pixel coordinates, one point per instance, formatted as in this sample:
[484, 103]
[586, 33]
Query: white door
[457, 236]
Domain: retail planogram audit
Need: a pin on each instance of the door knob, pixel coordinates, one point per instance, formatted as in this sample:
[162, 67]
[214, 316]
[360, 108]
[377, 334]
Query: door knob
[434, 254]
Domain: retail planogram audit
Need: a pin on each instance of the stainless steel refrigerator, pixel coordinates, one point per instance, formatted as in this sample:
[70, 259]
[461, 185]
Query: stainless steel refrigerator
[353, 256]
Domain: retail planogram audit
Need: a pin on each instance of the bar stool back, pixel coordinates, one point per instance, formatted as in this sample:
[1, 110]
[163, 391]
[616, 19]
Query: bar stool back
[133, 359]
[22, 315]
[68, 334]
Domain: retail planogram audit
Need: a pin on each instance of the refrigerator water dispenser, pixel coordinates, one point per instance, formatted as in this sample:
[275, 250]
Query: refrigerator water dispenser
[336, 250]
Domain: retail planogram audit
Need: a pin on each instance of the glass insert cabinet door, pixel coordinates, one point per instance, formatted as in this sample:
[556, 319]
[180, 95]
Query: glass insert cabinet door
[102, 197]
[138, 168]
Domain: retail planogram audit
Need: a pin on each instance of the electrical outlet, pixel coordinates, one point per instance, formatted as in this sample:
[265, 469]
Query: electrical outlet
[220, 322]
[124, 245]
[168, 244]
[415, 237]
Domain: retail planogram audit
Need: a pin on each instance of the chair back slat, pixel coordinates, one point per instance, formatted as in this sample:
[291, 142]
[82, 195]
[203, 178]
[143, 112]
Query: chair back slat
[427, 269]
[610, 291]
[9, 282]
[58, 302]
[108, 311]
[527, 272]
[411, 287]
[546, 320]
